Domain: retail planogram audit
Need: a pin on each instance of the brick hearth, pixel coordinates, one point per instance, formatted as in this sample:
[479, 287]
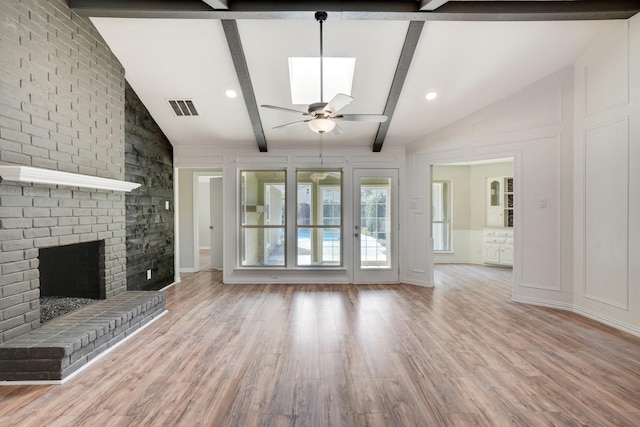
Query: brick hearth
[65, 344]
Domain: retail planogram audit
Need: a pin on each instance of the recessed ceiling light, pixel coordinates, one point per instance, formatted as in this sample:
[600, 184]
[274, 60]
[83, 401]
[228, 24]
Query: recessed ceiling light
[231, 93]
[431, 96]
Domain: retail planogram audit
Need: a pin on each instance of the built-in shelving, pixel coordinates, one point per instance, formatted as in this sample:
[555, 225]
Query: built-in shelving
[500, 201]
[508, 202]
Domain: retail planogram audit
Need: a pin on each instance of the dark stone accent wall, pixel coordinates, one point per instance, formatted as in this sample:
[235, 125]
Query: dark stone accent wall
[150, 226]
[62, 108]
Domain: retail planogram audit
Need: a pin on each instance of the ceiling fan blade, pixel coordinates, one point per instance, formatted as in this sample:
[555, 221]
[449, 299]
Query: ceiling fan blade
[273, 107]
[380, 118]
[290, 124]
[338, 130]
[338, 102]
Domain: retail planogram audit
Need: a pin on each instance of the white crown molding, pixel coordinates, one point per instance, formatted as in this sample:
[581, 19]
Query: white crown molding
[48, 176]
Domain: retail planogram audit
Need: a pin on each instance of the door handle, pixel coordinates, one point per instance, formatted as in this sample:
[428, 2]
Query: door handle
[356, 235]
[211, 227]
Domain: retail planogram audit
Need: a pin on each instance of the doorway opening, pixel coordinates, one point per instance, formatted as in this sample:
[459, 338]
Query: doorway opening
[208, 233]
[473, 207]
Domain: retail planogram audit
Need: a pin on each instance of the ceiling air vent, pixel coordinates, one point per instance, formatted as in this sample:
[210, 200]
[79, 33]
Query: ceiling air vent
[183, 107]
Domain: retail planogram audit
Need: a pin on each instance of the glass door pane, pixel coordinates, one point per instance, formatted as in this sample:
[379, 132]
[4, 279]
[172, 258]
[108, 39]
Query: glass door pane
[375, 212]
[375, 225]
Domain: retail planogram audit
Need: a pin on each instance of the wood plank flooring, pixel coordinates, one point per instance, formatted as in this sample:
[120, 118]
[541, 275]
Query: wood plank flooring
[460, 354]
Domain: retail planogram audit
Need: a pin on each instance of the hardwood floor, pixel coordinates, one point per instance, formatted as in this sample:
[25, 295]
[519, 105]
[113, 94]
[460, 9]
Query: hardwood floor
[205, 259]
[346, 355]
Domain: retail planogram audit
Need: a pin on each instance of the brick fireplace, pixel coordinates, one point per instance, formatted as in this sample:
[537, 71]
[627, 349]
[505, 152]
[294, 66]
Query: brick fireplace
[63, 240]
[62, 105]
[39, 217]
[62, 109]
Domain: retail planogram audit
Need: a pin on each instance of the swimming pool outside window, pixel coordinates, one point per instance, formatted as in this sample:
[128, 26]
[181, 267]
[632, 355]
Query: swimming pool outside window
[319, 217]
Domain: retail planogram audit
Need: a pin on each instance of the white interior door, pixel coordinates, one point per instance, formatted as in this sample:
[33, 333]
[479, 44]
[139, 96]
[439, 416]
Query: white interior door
[375, 233]
[215, 222]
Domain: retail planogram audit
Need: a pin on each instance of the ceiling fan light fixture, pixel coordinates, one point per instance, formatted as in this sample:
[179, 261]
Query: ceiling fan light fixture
[324, 114]
[321, 125]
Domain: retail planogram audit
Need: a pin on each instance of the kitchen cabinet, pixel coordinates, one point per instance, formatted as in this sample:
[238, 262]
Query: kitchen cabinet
[497, 246]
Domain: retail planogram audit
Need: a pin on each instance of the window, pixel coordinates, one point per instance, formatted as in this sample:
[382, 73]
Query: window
[441, 215]
[319, 217]
[262, 218]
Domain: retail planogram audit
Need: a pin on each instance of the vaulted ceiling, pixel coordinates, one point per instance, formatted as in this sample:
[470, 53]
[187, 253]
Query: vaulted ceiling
[472, 53]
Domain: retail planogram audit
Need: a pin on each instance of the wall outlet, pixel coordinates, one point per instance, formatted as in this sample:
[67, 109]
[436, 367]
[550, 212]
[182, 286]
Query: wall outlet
[148, 274]
[166, 204]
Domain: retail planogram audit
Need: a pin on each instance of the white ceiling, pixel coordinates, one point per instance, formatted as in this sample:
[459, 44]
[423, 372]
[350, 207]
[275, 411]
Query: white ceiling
[469, 64]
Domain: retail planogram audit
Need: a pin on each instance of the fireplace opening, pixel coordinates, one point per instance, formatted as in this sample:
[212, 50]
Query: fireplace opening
[69, 278]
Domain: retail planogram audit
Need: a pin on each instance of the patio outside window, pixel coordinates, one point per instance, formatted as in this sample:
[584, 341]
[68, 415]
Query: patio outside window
[262, 218]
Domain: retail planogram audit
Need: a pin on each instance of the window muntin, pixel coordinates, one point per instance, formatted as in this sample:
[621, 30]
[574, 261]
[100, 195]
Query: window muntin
[262, 218]
[319, 217]
[441, 216]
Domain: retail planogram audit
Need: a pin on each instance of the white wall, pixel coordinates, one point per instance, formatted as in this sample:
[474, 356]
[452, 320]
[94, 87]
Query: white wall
[607, 180]
[534, 127]
[233, 161]
[581, 252]
[185, 252]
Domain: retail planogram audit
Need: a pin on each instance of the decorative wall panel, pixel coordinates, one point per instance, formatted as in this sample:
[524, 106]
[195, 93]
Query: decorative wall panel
[606, 213]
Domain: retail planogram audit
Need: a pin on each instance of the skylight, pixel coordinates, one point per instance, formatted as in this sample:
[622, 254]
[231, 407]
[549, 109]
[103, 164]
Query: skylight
[304, 76]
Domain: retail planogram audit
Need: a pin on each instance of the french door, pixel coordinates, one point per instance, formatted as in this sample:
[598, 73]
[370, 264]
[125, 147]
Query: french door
[375, 230]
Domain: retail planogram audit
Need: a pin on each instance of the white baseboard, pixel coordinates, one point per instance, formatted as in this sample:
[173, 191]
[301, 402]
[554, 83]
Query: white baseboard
[458, 261]
[417, 283]
[582, 312]
[544, 303]
[170, 285]
[608, 321]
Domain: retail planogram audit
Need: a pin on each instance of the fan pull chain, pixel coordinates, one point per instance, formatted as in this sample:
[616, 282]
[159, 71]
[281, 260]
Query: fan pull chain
[321, 158]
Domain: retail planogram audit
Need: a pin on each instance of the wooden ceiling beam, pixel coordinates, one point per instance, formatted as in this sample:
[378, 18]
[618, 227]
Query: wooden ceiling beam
[430, 5]
[404, 62]
[230, 28]
[218, 4]
[408, 10]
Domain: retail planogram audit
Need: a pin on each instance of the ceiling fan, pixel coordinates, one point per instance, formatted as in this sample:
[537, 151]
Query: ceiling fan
[324, 115]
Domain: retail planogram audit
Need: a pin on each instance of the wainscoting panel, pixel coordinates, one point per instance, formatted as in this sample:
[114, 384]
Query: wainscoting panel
[612, 67]
[606, 213]
[540, 214]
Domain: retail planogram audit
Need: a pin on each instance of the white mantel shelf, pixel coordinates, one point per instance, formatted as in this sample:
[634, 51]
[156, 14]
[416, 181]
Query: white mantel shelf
[48, 176]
